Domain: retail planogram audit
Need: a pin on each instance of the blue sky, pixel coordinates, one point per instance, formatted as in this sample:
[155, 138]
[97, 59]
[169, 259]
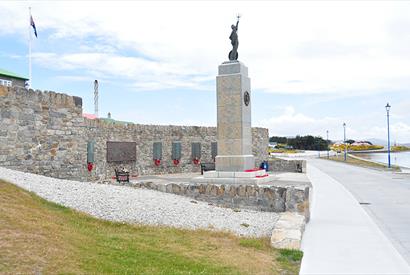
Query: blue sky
[313, 65]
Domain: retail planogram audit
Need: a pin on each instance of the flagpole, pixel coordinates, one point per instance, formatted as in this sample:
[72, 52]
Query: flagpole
[29, 49]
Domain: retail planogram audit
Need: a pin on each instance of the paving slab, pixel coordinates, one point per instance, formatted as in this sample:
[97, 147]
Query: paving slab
[341, 237]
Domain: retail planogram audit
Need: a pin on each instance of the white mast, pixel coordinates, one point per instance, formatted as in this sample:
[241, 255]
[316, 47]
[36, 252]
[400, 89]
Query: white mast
[96, 98]
[29, 48]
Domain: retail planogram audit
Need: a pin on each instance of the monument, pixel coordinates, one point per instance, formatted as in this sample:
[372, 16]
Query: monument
[234, 162]
[234, 132]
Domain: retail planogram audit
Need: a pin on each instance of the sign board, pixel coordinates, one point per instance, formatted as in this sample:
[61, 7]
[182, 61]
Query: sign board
[118, 151]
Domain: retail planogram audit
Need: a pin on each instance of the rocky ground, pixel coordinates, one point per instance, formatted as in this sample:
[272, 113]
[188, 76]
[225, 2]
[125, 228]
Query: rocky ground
[128, 204]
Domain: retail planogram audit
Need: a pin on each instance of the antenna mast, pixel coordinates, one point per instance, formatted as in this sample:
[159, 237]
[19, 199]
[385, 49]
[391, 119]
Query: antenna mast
[96, 98]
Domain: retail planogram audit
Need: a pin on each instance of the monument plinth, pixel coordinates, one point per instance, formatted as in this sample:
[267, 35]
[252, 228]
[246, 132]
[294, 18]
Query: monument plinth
[234, 118]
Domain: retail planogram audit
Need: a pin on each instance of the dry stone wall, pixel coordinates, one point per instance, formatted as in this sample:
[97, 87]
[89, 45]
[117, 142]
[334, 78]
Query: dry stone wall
[45, 133]
[287, 165]
[41, 132]
[269, 198]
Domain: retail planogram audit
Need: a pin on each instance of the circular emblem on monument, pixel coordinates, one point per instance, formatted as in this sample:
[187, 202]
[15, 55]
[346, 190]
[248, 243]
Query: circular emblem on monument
[246, 98]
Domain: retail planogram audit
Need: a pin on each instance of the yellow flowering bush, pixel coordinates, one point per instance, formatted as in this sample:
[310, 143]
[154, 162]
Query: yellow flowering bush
[341, 147]
[399, 148]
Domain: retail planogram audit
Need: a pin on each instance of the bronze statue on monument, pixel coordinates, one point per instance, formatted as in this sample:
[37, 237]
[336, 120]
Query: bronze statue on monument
[233, 55]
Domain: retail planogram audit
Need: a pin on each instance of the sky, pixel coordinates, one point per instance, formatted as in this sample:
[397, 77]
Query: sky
[313, 64]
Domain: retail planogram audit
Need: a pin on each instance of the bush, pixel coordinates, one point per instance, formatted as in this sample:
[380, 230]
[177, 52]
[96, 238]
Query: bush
[301, 143]
[400, 148]
[341, 147]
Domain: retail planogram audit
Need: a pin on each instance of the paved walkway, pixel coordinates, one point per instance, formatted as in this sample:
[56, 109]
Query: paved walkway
[387, 195]
[341, 237]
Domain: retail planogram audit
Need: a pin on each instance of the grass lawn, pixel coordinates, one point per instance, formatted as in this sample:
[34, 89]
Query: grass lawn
[39, 237]
[362, 163]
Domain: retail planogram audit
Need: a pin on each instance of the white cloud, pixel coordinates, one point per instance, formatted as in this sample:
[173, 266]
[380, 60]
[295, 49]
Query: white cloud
[142, 73]
[327, 47]
[289, 122]
[399, 132]
[336, 49]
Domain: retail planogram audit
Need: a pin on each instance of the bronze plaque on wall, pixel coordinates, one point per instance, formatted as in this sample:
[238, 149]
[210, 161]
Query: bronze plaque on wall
[121, 151]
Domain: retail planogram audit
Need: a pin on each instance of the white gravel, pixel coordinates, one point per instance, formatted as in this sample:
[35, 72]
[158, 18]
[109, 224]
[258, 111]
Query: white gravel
[128, 204]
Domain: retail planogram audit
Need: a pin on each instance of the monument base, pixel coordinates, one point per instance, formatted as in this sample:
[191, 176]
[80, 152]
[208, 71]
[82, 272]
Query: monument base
[234, 163]
[250, 177]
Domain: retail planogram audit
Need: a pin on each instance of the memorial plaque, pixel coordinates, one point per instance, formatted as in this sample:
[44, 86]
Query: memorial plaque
[176, 150]
[157, 150]
[118, 151]
[214, 150]
[196, 150]
[246, 98]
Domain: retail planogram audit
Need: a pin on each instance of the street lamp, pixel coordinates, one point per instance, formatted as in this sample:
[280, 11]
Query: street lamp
[388, 133]
[327, 140]
[344, 139]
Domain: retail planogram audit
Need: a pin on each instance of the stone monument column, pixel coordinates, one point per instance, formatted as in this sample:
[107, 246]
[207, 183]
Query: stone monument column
[234, 118]
[234, 163]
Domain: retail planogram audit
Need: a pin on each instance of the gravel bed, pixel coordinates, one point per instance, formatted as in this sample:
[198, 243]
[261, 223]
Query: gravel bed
[142, 206]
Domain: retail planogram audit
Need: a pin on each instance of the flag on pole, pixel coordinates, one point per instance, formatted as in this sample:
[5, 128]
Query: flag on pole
[33, 25]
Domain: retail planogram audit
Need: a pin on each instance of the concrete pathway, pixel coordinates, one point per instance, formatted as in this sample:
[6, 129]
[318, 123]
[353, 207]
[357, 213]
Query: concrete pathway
[341, 238]
[386, 196]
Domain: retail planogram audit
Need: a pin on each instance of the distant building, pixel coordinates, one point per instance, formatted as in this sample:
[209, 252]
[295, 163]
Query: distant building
[11, 79]
[108, 119]
[89, 116]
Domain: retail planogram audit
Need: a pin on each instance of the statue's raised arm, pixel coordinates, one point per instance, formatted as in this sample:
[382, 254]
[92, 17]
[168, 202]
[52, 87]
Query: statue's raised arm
[233, 55]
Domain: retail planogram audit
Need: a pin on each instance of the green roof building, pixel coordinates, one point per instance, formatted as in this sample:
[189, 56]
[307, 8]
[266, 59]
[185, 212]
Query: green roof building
[11, 79]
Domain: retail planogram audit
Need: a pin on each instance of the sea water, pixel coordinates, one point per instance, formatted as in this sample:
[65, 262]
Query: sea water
[396, 158]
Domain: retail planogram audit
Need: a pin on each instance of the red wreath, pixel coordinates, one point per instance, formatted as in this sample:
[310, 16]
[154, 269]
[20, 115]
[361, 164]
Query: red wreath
[90, 166]
[176, 161]
[157, 162]
[196, 161]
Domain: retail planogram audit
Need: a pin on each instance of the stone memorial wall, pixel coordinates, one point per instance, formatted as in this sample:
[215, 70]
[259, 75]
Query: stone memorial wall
[45, 133]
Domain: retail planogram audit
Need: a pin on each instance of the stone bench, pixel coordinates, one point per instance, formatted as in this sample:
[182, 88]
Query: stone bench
[207, 167]
[122, 176]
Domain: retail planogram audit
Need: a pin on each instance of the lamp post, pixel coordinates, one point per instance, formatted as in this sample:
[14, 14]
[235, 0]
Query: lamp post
[344, 140]
[388, 133]
[327, 140]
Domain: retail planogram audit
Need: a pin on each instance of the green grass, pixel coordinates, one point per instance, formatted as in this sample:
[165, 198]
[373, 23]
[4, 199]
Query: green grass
[362, 163]
[290, 255]
[42, 237]
[285, 151]
[288, 258]
[258, 244]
